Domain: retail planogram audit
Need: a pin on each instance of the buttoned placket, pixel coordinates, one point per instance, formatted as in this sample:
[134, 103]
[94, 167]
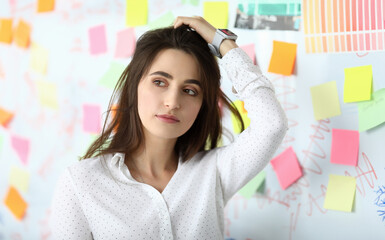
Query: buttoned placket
[155, 195]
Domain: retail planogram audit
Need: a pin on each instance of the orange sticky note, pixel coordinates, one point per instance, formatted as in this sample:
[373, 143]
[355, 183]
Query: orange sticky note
[22, 34]
[283, 58]
[5, 117]
[6, 30]
[45, 5]
[15, 203]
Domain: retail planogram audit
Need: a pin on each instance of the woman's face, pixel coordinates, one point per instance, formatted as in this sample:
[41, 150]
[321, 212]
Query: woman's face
[169, 95]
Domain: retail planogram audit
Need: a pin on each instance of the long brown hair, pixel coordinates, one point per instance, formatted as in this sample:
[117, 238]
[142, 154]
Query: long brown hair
[123, 132]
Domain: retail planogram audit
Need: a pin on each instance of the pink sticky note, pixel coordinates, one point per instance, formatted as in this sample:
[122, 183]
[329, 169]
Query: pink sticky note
[97, 37]
[345, 147]
[21, 146]
[287, 168]
[91, 118]
[250, 50]
[125, 44]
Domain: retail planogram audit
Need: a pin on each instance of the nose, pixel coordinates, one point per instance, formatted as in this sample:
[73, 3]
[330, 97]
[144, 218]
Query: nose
[171, 100]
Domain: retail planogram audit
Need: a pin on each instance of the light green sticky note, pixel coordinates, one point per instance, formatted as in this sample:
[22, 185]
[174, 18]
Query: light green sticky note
[19, 178]
[192, 2]
[358, 83]
[251, 187]
[216, 13]
[47, 92]
[246, 120]
[340, 193]
[164, 21]
[325, 100]
[372, 113]
[111, 77]
[38, 58]
[136, 12]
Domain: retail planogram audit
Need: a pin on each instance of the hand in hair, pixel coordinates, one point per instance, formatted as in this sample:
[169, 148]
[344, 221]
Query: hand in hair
[206, 30]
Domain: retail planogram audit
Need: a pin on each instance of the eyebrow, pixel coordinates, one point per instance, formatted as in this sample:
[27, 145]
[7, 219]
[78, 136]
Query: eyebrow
[167, 75]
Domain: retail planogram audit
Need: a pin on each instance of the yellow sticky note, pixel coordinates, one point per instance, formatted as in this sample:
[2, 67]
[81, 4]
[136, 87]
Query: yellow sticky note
[19, 178]
[136, 12]
[15, 203]
[358, 84]
[340, 193]
[47, 94]
[39, 58]
[22, 34]
[325, 100]
[5, 117]
[6, 30]
[246, 120]
[216, 13]
[283, 58]
[45, 5]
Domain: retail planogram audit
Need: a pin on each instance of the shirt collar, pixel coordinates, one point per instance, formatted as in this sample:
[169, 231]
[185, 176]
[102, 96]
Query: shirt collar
[117, 160]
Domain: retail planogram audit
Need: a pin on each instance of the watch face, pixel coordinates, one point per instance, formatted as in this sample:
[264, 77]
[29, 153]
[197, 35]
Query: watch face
[227, 32]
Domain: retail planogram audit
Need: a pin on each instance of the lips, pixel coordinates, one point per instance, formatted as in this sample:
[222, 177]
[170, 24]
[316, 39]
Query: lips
[167, 118]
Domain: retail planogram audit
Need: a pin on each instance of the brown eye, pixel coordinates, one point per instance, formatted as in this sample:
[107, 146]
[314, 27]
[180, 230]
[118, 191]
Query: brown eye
[190, 92]
[159, 83]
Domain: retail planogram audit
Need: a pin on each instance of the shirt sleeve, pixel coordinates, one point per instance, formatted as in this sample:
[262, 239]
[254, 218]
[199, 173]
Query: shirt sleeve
[243, 159]
[67, 219]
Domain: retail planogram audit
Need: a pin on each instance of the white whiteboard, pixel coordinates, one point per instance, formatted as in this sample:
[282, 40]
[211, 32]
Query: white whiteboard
[57, 138]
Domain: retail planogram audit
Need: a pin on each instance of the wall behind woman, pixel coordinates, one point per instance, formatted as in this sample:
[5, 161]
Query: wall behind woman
[55, 89]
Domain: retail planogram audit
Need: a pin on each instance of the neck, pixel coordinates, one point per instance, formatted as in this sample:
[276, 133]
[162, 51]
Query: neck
[155, 157]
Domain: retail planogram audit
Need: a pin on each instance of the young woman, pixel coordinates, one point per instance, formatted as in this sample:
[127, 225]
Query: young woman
[155, 172]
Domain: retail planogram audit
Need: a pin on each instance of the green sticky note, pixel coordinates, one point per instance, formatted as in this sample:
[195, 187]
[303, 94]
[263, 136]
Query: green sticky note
[358, 83]
[19, 178]
[340, 193]
[372, 113]
[192, 2]
[111, 77]
[325, 100]
[251, 187]
[164, 21]
[246, 120]
[216, 13]
[136, 12]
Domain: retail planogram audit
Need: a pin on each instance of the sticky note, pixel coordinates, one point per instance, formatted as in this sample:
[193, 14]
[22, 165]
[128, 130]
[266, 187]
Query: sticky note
[111, 77]
[325, 100]
[47, 92]
[163, 21]
[97, 39]
[216, 13]
[358, 83]
[287, 168]
[283, 58]
[246, 120]
[6, 30]
[125, 43]
[45, 5]
[19, 178]
[21, 146]
[344, 148]
[15, 203]
[252, 186]
[22, 34]
[250, 50]
[372, 113]
[91, 118]
[39, 58]
[5, 116]
[192, 2]
[340, 193]
[136, 12]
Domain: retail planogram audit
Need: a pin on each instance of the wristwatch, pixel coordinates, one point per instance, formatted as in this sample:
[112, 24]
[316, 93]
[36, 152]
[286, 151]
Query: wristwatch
[220, 35]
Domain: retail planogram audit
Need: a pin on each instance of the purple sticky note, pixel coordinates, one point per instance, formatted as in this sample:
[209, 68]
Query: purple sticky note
[21, 146]
[125, 43]
[250, 50]
[97, 37]
[345, 144]
[91, 118]
[287, 168]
